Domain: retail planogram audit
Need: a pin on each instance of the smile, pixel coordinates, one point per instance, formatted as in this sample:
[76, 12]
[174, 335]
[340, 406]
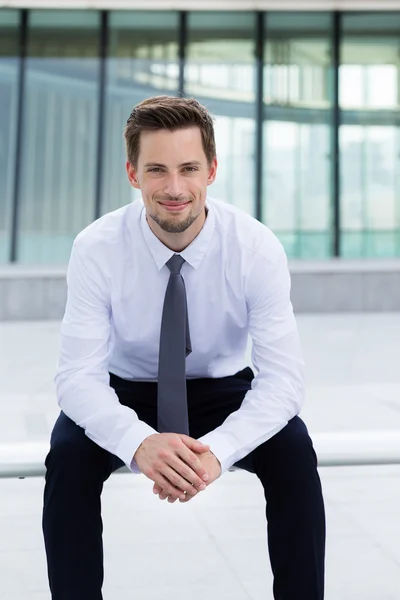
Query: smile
[176, 206]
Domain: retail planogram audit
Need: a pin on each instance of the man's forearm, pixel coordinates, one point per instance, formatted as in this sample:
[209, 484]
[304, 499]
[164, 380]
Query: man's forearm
[94, 406]
[262, 415]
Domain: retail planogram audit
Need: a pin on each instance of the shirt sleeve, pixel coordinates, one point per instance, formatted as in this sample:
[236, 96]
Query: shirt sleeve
[277, 391]
[82, 379]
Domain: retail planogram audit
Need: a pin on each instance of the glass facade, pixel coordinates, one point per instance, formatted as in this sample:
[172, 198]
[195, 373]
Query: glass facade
[298, 101]
[306, 108]
[369, 135]
[59, 124]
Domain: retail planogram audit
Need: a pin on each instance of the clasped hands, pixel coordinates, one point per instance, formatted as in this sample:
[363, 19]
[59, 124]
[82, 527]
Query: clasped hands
[179, 465]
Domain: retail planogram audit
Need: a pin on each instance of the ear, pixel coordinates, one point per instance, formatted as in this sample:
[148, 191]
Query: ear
[212, 173]
[132, 175]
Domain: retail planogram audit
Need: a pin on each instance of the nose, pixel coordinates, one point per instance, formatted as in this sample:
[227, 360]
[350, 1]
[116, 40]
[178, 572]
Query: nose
[172, 185]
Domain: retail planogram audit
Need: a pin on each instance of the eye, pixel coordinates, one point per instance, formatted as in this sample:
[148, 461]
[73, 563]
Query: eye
[155, 170]
[191, 169]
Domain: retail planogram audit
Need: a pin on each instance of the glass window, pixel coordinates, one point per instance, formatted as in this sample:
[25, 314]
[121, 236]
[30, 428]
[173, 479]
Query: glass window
[142, 62]
[60, 121]
[220, 73]
[298, 98]
[369, 135]
[9, 33]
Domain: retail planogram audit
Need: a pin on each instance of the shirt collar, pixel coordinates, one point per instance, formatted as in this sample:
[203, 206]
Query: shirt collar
[193, 254]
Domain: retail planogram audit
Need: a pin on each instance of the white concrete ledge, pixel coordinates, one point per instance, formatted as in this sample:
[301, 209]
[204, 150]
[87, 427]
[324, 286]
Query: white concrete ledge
[279, 5]
[352, 448]
[335, 449]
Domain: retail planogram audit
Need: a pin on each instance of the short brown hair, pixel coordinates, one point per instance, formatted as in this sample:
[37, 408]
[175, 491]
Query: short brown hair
[168, 112]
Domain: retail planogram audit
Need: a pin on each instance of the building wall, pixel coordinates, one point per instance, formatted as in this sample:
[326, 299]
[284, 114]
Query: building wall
[306, 108]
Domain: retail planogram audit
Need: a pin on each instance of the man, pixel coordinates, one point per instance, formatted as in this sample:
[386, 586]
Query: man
[162, 294]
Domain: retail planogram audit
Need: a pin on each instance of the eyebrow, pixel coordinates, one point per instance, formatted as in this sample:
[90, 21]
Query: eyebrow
[185, 164]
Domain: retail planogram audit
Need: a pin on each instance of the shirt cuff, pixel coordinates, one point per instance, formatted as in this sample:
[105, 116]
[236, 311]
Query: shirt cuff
[130, 443]
[222, 449]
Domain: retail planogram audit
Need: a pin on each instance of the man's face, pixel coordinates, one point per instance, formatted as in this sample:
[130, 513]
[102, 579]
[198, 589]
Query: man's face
[172, 174]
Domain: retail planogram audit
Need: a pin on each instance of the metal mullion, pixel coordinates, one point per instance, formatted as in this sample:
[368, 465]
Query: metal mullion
[336, 42]
[259, 114]
[183, 38]
[18, 166]
[101, 111]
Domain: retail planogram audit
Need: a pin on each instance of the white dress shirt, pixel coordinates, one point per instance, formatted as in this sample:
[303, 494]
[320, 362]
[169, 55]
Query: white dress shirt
[237, 283]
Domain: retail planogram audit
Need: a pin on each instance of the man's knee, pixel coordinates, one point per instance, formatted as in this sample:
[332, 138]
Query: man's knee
[294, 436]
[290, 446]
[71, 451]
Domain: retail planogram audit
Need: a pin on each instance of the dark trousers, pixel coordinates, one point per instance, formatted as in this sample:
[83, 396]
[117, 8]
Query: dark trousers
[286, 465]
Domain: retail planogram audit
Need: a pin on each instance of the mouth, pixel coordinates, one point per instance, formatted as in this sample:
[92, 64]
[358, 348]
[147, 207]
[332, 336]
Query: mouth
[174, 206]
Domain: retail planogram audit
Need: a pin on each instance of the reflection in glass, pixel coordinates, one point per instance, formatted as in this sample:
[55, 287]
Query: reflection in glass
[143, 62]
[297, 132]
[60, 133]
[369, 135]
[9, 31]
[220, 73]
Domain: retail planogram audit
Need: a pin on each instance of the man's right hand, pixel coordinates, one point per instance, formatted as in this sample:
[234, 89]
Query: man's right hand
[170, 461]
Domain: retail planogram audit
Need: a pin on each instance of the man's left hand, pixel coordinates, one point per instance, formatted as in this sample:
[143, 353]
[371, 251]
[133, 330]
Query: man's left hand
[213, 467]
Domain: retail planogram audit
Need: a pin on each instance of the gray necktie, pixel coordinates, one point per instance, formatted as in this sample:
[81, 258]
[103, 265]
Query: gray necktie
[175, 346]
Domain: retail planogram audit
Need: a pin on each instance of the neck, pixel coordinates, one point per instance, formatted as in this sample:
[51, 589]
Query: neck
[178, 241]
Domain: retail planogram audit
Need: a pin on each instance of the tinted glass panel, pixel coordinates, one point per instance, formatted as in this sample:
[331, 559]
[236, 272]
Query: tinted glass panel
[60, 124]
[369, 135]
[298, 94]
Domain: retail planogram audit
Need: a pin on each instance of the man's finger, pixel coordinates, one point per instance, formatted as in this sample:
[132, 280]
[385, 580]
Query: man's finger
[187, 498]
[165, 486]
[194, 444]
[157, 490]
[193, 469]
